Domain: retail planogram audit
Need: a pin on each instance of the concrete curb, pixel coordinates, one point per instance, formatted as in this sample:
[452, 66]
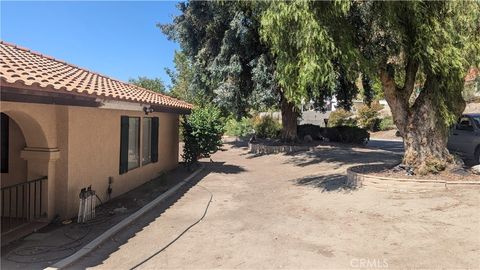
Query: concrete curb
[256, 148]
[122, 224]
[356, 179]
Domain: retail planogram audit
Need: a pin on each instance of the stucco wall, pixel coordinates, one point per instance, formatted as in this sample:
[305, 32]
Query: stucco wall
[17, 167]
[88, 140]
[94, 152]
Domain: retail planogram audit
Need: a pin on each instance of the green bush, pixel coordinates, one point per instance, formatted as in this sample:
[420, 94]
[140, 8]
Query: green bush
[341, 117]
[387, 123]
[202, 133]
[266, 127]
[241, 128]
[313, 131]
[368, 116]
[345, 134]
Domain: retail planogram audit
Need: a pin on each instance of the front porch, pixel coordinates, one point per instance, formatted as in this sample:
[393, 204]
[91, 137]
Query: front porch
[28, 171]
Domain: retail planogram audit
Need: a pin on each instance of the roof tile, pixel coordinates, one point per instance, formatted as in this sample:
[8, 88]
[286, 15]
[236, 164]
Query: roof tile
[20, 65]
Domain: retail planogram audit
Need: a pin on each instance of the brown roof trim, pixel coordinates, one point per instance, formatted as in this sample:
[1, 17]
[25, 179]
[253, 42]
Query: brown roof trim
[29, 96]
[25, 95]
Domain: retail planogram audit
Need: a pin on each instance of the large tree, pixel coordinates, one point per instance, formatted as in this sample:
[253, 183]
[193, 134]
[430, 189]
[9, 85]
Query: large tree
[231, 66]
[419, 50]
[181, 78]
[222, 43]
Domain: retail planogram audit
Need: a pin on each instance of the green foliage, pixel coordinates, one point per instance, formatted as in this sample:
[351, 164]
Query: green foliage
[341, 117]
[369, 117]
[368, 92]
[241, 128]
[155, 84]
[313, 131]
[182, 78]
[202, 133]
[266, 127]
[312, 48]
[387, 123]
[229, 65]
[346, 134]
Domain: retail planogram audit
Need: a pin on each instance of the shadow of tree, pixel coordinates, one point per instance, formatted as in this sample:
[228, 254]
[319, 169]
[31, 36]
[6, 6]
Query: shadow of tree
[327, 183]
[104, 251]
[221, 167]
[238, 143]
[342, 156]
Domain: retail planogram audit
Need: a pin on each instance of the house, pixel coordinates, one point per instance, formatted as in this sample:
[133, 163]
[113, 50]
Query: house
[64, 128]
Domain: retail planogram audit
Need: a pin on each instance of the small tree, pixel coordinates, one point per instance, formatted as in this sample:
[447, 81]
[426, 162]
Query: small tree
[155, 84]
[369, 116]
[202, 133]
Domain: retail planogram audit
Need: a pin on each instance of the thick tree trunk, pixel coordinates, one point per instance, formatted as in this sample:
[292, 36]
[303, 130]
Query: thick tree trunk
[421, 125]
[289, 120]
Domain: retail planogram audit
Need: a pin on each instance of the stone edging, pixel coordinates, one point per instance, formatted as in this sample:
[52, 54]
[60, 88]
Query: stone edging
[356, 179]
[122, 224]
[258, 148]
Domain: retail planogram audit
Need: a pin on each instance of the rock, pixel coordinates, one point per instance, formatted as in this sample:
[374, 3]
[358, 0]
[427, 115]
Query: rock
[120, 210]
[307, 139]
[476, 169]
[460, 171]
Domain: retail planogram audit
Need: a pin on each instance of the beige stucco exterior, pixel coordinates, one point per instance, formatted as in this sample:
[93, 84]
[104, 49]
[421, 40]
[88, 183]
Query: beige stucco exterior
[77, 147]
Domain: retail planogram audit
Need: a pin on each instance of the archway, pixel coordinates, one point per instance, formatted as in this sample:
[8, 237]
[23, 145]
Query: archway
[27, 164]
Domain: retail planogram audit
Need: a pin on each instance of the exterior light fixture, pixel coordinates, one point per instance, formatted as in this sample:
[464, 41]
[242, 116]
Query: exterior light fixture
[147, 110]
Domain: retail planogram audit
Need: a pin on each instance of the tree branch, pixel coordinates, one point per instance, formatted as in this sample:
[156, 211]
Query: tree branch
[395, 99]
[410, 75]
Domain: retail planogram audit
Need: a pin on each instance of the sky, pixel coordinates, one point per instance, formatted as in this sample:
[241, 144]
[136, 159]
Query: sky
[116, 39]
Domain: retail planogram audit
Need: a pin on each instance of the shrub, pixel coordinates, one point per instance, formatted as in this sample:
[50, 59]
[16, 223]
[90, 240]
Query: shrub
[241, 128]
[308, 129]
[368, 116]
[202, 133]
[387, 123]
[341, 117]
[345, 134]
[266, 127]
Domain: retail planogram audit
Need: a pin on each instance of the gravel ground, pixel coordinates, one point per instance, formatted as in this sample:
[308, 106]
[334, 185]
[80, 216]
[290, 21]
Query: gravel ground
[294, 212]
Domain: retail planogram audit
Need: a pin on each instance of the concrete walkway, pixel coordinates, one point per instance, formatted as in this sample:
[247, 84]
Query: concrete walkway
[293, 211]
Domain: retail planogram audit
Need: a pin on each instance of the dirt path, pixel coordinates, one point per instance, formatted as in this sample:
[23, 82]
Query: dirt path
[278, 211]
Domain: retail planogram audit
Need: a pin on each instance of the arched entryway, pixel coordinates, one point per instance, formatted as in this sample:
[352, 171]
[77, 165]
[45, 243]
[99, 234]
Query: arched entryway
[26, 165]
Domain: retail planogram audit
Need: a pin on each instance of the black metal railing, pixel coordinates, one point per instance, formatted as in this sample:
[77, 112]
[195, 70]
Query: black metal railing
[23, 202]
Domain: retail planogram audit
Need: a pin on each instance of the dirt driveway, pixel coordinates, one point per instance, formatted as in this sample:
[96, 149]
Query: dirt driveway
[293, 211]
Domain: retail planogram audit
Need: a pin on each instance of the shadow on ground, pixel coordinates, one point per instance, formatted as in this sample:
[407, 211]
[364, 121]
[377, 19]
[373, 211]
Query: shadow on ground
[99, 255]
[341, 156]
[221, 167]
[326, 183]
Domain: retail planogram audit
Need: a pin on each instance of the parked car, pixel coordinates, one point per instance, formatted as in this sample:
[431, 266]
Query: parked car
[464, 137]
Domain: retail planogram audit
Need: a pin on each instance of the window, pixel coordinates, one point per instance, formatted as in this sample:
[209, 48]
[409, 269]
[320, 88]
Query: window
[130, 142]
[4, 143]
[147, 140]
[465, 124]
[476, 119]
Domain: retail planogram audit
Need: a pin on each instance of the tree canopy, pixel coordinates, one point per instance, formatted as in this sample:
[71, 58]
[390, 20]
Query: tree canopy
[418, 45]
[155, 84]
[229, 64]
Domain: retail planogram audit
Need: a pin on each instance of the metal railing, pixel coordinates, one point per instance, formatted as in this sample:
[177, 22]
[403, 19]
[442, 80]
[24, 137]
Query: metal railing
[23, 202]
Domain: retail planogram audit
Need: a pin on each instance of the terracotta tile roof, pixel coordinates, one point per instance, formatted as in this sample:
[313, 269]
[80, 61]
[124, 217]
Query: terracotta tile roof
[20, 65]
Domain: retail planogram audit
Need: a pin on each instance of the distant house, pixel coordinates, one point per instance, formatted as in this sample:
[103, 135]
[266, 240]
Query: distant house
[64, 128]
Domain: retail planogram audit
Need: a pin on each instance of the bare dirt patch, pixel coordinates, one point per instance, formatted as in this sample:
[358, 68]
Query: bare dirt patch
[295, 212]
